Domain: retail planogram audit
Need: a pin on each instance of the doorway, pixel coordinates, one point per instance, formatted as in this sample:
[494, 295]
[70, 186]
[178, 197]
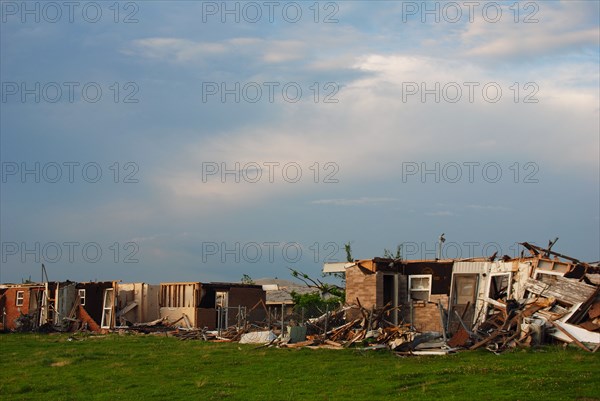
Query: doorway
[463, 297]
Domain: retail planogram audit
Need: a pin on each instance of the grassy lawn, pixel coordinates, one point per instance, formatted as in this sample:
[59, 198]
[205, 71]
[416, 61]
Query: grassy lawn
[116, 367]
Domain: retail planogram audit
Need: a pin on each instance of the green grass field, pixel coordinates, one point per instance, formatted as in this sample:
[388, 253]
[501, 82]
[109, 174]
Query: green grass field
[50, 367]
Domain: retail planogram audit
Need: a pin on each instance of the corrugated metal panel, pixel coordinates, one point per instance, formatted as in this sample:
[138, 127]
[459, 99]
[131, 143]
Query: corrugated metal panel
[471, 267]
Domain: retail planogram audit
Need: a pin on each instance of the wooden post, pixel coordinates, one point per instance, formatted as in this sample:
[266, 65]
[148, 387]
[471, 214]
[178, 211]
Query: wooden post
[113, 320]
[396, 288]
[571, 336]
[441, 308]
[142, 307]
[219, 321]
[282, 320]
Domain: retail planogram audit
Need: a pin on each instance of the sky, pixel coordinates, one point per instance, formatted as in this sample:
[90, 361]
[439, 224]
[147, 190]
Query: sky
[155, 141]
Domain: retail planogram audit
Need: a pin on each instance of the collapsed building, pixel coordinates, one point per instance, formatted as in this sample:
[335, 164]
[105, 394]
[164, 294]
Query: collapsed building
[17, 300]
[412, 288]
[109, 305]
[210, 305]
[416, 306]
[475, 299]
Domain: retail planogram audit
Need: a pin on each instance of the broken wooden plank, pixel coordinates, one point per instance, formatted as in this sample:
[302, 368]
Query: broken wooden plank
[576, 333]
[569, 335]
[128, 308]
[186, 320]
[300, 344]
[442, 320]
[503, 330]
[563, 289]
[498, 304]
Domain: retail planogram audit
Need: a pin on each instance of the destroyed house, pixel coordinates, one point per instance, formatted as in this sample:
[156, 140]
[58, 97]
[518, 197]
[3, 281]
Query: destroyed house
[58, 303]
[108, 305]
[552, 296]
[478, 286]
[211, 305]
[111, 304]
[31, 305]
[38, 304]
[413, 288]
[91, 296]
[20, 305]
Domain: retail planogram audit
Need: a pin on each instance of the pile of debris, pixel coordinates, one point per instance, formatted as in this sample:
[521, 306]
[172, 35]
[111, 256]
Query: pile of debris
[556, 309]
[367, 329]
[370, 328]
[563, 309]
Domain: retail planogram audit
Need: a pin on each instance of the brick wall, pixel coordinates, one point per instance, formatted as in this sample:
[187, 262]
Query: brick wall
[368, 288]
[362, 284]
[11, 309]
[426, 315]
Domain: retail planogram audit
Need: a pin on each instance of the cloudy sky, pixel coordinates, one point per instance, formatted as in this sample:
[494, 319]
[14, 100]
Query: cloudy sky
[200, 141]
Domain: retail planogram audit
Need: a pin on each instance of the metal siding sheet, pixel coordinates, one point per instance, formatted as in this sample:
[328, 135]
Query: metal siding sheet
[470, 267]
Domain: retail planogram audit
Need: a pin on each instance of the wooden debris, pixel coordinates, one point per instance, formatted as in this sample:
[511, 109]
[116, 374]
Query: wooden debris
[459, 339]
[549, 310]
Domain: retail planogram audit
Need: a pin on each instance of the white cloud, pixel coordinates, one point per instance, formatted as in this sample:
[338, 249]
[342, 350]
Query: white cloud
[440, 213]
[372, 130]
[187, 51]
[173, 49]
[282, 51]
[561, 27]
[535, 45]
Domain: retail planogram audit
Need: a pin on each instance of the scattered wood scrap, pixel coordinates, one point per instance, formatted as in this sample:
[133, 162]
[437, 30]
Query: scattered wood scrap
[566, 310]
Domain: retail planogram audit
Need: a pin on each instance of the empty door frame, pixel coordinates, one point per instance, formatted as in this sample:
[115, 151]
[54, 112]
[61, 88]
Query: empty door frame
[222, 305]
[108, 303]
[493, 292]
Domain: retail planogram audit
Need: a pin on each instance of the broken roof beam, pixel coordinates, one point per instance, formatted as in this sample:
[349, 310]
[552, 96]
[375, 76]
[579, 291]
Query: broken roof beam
[536, 250]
